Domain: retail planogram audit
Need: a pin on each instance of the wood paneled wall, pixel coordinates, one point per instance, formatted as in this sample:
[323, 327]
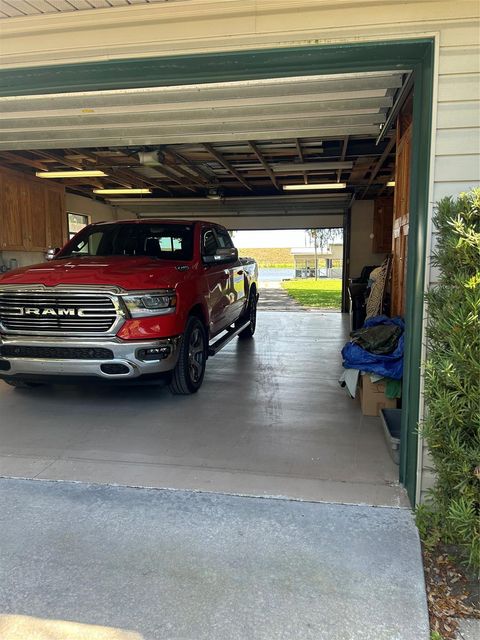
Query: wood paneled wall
[401, 211]
[382, 225]
[32, 213]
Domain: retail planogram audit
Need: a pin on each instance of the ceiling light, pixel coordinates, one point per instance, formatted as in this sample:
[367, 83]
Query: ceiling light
[322, 185]
[216, 193]
[76, 173]
[121, 191]
[391, 183]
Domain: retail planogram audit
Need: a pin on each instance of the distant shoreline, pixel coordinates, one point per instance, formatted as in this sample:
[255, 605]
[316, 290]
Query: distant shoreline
[267, 258]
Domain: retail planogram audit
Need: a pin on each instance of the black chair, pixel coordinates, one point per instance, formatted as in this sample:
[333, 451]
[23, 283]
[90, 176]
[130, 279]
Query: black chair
[358, 294]
[364, 275]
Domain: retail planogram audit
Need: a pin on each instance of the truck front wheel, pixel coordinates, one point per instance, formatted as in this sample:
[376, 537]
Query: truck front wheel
[187, 377]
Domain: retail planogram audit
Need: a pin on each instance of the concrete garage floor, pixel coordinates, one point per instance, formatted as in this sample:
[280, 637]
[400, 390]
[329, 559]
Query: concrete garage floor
[270, 419]
[174, 565]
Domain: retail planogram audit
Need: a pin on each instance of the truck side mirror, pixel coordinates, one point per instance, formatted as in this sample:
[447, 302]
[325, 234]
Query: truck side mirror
[51, 253]
[222, 256]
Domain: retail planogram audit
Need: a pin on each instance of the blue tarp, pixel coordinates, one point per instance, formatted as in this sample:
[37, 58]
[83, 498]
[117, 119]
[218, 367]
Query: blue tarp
[388, 366]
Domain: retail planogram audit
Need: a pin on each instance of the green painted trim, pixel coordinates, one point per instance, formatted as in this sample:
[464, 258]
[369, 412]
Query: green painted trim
[417, 242]
[289, 62]
[211, 67]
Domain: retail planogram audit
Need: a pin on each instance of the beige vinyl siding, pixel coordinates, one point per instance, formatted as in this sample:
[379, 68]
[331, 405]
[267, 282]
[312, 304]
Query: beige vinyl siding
[221, 25]
[457, 149]
[207, 26]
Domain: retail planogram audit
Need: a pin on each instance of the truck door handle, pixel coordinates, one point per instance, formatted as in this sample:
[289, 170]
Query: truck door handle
[240, 273]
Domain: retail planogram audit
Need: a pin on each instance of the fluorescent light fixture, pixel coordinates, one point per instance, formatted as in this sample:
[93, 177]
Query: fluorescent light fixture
[322, 185]
[121, 191]
[391, 183]
[75, 173]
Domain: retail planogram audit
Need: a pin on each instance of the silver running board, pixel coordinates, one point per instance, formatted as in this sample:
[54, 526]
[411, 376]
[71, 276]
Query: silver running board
[215, 347]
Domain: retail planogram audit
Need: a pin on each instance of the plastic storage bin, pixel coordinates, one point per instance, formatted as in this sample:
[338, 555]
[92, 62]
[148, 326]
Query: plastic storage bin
[391, 421]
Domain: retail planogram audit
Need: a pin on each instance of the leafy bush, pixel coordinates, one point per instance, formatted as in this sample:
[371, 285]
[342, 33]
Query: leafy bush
[451, 427]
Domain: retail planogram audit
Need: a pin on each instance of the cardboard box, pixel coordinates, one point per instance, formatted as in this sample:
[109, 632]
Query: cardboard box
[373, 398]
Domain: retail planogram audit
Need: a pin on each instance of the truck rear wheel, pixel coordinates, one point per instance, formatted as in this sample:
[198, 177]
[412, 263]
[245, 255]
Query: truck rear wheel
[187, 377]
[251, 314]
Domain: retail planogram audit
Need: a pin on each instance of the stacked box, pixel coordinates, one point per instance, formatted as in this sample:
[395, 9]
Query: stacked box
[372, 396]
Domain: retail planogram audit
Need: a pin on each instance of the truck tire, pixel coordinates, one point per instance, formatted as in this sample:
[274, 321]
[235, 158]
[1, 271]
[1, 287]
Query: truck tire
[21, 384]
[187, 377]
[251, 314]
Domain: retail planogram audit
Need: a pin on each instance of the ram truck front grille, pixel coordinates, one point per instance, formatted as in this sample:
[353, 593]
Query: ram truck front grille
[56, 313]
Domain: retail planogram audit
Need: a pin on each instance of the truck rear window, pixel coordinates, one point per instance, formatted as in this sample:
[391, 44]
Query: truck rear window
[164, 241]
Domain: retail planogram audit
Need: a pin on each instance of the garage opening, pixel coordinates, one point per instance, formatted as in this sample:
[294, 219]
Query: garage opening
[297, 268]
[308, 153]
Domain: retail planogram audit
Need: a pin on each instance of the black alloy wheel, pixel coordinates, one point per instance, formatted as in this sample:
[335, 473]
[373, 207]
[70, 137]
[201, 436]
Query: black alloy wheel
[187, 377]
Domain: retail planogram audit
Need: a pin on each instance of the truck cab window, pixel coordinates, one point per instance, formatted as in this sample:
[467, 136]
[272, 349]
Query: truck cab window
[224, 239]
[87, 245]
[162, 241]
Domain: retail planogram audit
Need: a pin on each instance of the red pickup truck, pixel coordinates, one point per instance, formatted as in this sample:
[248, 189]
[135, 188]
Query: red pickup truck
[132, 300]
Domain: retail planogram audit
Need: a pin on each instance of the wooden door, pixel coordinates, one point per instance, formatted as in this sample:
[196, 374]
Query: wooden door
[35, 219]
[13, 202]
[56, 218]
[401, 211]
[32, 213]
[382, 225]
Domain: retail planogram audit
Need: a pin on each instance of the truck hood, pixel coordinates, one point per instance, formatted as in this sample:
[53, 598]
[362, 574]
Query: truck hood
[129, 273]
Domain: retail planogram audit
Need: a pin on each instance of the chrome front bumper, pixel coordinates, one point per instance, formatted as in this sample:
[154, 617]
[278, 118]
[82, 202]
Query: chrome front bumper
[125, 353]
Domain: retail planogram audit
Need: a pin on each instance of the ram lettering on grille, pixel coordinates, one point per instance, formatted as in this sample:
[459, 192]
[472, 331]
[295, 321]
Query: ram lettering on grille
[47, 313]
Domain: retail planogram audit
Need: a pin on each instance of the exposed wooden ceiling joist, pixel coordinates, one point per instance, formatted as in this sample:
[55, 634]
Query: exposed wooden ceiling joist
[264, 164]
[380, 162]
[60, 159]
[15, 158]
[198, 170]
[218, 156]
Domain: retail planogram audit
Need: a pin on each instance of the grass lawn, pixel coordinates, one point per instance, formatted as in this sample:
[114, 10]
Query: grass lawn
[326, 294]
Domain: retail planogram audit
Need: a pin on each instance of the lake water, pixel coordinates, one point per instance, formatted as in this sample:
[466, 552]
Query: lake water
[275, 275]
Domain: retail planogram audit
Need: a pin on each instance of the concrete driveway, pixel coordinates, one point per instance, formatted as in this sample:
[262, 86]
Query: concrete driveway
[176, 565]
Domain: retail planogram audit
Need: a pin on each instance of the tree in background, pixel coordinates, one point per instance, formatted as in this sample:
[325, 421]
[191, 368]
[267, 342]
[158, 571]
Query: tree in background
[321, 238]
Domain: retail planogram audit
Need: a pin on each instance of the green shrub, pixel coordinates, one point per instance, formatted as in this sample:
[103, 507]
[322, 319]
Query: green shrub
[451, 427]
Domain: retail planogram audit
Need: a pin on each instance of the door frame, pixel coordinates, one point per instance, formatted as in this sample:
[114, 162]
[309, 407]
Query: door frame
[385, 55]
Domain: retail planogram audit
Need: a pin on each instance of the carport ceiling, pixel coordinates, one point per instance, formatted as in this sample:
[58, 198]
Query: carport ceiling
[19, 8]
[247, 138]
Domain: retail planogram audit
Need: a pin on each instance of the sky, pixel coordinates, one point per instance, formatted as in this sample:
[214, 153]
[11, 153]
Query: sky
[274, 239]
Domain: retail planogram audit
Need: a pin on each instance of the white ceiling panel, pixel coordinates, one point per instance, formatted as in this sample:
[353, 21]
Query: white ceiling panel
[317, 106]
[18, 8]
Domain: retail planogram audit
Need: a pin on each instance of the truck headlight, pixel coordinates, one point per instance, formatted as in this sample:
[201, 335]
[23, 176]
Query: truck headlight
[150, 303]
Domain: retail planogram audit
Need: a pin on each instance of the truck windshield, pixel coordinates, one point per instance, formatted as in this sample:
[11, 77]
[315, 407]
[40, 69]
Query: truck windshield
[164, 241]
